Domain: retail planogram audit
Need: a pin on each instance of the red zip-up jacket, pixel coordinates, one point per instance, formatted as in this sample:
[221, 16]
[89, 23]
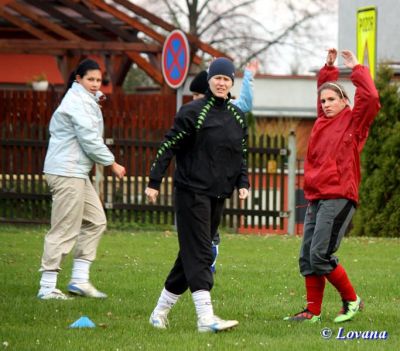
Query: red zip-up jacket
[332, 165]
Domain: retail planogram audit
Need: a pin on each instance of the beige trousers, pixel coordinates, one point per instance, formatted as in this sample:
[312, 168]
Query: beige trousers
[77, 220]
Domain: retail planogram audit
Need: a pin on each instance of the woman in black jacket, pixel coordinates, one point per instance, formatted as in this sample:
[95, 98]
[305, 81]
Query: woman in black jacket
[209, 141]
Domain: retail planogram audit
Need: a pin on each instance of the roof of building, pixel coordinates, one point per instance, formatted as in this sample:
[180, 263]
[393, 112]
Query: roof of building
[119, 31]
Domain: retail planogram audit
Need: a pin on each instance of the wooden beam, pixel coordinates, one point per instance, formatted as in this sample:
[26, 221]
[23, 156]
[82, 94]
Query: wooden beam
[23, 10]
[97, 19]
[25, 26]
[124, 65]
[169, 27]
[5, 2]
[8, 45]
[136, 24]
[154, 73]
[110, 62]
[205, 47]
[131, 21]
[146, 14]
[117, 67]
[53, 12]
[66, 64]
[87, 4]
[26, 51]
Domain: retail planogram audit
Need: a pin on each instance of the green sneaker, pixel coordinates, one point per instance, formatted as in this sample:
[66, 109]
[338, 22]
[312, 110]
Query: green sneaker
[304, 316]
[349, 310]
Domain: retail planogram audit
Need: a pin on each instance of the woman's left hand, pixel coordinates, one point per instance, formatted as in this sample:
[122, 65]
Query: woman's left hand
[151, 195]
[243, 193]
[350, 60]
[253, 67]
[118, 170]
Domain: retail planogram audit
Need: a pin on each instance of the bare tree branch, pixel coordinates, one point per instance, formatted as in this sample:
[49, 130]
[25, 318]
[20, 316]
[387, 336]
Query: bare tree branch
[227, 14]
[277, 39]
[232, 27]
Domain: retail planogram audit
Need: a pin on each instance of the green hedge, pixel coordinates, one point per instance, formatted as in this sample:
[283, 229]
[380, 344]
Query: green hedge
[379, 210]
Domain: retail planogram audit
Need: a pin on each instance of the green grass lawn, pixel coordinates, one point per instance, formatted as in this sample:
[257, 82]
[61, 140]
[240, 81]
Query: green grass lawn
[257, 283]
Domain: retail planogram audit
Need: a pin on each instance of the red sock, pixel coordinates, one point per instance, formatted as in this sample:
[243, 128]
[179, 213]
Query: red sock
[339, 279]
[315, 285]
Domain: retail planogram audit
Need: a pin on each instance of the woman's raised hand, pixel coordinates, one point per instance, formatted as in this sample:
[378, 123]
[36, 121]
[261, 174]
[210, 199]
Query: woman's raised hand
[331, 57]
[350, 60]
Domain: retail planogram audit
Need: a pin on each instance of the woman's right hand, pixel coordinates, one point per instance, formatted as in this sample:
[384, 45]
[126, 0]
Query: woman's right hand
[118, 170]
[331, 57]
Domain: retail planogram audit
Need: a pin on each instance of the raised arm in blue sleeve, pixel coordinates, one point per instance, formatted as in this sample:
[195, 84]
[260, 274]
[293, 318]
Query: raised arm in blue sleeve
[245, 100]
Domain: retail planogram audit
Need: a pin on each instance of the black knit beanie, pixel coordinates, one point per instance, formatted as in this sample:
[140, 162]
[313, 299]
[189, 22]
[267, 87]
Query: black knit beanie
[222, 66]
[199, 83]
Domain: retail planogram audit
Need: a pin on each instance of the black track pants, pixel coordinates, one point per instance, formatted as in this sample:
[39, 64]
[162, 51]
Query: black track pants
[197, 217]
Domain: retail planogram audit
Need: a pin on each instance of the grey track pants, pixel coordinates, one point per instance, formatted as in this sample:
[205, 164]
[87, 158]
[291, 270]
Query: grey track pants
[325, 224]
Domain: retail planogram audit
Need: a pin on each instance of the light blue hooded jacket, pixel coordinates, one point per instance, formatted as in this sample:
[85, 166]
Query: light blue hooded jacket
[76, 135]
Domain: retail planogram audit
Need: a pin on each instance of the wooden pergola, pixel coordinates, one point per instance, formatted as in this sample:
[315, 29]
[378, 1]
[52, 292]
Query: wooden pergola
[118, 30]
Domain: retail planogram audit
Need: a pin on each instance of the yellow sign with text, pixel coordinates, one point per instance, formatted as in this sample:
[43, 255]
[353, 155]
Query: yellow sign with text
[366, 38]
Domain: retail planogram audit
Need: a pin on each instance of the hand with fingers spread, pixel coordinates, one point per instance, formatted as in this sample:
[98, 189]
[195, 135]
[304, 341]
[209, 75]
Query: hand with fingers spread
[253, 67]
[350, 60]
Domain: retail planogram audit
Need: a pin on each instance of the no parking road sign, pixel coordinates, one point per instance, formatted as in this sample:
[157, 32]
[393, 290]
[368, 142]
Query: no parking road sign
[175, 59]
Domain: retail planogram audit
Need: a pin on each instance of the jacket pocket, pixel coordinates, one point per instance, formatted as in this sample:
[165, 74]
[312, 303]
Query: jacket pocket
[323, 176]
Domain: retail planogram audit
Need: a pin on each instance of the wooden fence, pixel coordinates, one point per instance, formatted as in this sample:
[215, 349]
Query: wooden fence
[134, 127]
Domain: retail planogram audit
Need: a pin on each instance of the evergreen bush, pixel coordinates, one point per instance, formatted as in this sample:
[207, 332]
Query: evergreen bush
[379, 210]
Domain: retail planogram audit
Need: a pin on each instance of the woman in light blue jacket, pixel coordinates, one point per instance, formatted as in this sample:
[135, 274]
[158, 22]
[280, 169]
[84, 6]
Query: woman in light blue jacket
[77, 217]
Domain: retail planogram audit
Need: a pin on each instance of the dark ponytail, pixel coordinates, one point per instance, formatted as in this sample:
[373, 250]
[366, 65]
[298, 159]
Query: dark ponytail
[81, 70]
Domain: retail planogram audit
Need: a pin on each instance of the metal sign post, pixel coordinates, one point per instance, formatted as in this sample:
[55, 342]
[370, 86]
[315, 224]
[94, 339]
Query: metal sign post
[179, 98]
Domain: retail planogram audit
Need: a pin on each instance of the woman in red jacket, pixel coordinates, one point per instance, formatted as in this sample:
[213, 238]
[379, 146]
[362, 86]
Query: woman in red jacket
[332, 178]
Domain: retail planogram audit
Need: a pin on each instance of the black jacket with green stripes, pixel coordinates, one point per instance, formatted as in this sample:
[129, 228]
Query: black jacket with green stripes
[209, 140]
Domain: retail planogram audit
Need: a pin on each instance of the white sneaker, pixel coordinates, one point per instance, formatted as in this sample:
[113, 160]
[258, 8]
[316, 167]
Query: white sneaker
[214, 324]
[159, 320]
[86, 290]
[55, 294]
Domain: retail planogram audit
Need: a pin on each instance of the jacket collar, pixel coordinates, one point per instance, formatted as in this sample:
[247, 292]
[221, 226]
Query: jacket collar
[340, 114]
[217, 100]
[79, 88]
